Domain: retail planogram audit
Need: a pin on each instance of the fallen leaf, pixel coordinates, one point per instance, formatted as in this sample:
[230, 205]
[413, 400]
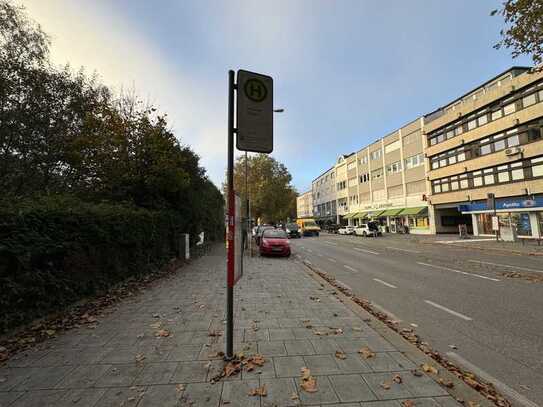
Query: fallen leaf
[446, 383]
[453, 347]
[340, 355]
[524, 387]
[306, 373]
[309, 385]
[139, 336]
[385, 386]
[50, 332]
[294, 396]
[397, 379]
[473, 404]
[140, 357]
[429, 368]
[257, 360]
[156, 325]
[416, 372]
[156, 315]
[408, 403]
[214, 333]
[180, 387]
[163, 333]
[366, 352]
[259, 391]
[357, 328]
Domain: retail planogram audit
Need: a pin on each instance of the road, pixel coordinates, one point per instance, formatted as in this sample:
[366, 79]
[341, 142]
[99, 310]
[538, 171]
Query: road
[457, 298]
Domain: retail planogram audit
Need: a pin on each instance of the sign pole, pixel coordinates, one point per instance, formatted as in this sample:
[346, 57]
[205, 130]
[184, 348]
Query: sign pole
[230, 261]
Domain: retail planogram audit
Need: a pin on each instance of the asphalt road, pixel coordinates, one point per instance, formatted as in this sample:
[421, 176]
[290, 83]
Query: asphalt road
[458, 300]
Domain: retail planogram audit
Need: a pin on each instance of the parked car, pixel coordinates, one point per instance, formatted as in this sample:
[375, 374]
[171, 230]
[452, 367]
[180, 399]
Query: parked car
[308, 227]
[261, 230]
[367, 229]
[274, 242]
[292, 230]
[346, 230]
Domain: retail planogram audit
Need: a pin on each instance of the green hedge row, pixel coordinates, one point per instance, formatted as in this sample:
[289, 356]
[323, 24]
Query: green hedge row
[57, 251]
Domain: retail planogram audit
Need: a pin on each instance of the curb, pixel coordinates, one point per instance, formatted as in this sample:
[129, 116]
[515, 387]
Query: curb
[499, 250]
[460, 391]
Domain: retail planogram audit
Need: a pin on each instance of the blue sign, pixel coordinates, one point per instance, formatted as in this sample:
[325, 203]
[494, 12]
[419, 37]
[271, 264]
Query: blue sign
[504, 204]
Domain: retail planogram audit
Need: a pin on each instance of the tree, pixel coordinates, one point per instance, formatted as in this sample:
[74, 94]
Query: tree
[523, 33]
[272, 197]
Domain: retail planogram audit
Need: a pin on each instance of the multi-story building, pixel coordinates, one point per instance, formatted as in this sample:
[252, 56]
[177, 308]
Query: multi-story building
[489, 141]
[324, 197]
[304, 205]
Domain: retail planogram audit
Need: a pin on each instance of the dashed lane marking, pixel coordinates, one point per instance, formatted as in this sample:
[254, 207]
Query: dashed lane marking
[332, 260]
[403, 250]
[458, 271]
[349, 268]
[506, 265]
[450, 311]
[365, 250]
[384, 283]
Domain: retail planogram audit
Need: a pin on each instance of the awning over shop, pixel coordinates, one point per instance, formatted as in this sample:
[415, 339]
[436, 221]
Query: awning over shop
[374, 214]
[360, 215]
[350, 215]
[419, 210]
[392, 212]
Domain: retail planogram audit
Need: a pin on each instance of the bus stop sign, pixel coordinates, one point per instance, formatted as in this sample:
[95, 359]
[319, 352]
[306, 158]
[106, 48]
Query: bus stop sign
[254, 112]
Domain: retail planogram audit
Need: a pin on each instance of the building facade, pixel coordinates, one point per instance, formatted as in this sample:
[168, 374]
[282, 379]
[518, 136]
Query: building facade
[437, 172]
[489, 141]
[304, 205]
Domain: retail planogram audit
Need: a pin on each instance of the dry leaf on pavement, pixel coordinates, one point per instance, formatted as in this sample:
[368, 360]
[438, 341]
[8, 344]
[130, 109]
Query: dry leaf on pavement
[140, 357]
[408, 403]
[397, 379]
[340, 355]
[446, 383]
[180, 388]
[385, 385]
[309, 384]
[366, 352]
[163, 333]
[429, 368]
[259, 391]
[416, 372]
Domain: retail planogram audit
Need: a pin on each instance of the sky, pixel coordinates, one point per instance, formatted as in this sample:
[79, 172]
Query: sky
[345, 72]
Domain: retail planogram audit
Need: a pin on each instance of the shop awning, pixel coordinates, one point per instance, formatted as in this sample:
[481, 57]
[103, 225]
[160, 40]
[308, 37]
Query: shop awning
[360, 215]
[414, 211]
[350, 215]
[392, 212]
[374, 214]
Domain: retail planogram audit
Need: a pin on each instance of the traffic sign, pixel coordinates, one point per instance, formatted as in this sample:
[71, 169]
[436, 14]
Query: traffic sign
[254, 112]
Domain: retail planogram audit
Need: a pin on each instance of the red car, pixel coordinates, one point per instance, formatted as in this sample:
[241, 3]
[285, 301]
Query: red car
[274, 242]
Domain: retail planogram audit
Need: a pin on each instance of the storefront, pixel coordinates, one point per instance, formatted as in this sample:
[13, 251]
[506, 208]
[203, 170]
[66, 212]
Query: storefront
[395, 220]
[523, 214]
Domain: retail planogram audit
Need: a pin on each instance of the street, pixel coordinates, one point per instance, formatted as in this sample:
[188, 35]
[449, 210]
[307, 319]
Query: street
[458, 299]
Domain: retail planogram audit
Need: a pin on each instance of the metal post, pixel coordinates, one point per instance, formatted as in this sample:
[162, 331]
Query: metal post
[230, 262]
[496, 216]
[247, 212]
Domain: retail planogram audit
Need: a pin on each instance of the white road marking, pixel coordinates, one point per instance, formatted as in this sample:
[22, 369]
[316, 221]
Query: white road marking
[506, 265]
[508, 391]
[384, 283]
[310, 251]
[450, 311]
[385, 311]
[458, 271]
[332, 260]
[320, 255]
[366, 251]
[403, 250]
[464, 241]
[302, 247]
[349, 268]
[328, 242]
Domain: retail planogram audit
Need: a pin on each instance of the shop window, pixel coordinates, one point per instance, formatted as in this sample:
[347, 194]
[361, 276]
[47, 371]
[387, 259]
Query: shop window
[484, 223]
[540, 218]
[521, 220]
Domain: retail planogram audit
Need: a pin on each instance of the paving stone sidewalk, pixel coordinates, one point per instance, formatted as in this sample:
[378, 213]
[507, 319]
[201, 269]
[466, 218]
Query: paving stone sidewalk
[122, 362]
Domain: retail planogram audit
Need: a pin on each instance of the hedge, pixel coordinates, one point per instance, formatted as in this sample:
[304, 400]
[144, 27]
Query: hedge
[57, 251]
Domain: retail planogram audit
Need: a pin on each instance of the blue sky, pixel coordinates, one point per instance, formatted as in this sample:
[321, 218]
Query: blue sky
[346, 72]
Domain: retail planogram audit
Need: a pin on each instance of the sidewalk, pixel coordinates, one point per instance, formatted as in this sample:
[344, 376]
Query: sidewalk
[164, 347]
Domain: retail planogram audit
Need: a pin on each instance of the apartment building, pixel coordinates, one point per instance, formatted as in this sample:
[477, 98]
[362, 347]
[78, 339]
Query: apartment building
[323, 189]
[489, 142]
[304, 205]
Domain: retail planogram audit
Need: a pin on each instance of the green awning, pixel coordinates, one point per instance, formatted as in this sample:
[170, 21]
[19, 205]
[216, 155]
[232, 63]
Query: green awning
[392, 212]
[350, 215]
[360, 215]
[414, 211]
[374, 214]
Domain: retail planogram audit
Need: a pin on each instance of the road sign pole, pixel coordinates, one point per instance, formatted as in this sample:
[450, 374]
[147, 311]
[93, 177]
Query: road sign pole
[230, 261]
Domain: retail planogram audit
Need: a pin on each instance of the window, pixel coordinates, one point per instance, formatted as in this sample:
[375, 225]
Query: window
[508, 109]
[517, 172]
[528, 100]
[513, 141]
[411, 138]
[351, 165]
[477, 179]
[379, 195]
[503, 176]
[377, 173]
[364, 178]
[537, 167]
[364, 159]
[414, 161]
[499, 145]
[495, 115]
[472, 124]
[415, 188]
[394, 168]
[489, 179]
[486, 149]
[395, 145]
[375, 155]
[482, 120]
